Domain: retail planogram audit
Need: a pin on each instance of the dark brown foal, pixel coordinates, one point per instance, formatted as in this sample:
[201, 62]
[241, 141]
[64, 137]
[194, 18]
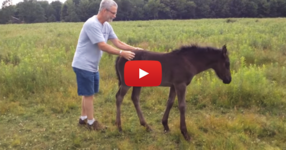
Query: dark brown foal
[178, 69]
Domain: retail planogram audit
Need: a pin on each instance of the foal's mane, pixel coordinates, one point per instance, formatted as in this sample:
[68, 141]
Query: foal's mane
[195, 49]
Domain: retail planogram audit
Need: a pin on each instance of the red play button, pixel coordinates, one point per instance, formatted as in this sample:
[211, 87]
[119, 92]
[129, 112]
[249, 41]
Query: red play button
[143, 73]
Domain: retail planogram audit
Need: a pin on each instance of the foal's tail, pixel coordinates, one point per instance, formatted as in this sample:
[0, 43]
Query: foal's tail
[117, 74]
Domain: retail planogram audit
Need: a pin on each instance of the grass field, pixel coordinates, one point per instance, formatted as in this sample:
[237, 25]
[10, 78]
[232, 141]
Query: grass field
[39, 106]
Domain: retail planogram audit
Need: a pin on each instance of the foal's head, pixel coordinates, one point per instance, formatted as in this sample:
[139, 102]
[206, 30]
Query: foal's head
[208, 57]
[222, 66]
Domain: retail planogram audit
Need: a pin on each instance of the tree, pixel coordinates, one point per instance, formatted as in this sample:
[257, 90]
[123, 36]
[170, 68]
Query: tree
[50, 12]
[72, 12]
[281, 10]
[137, 10]
[52, 18]
[30, 11]
[203, 9]
[38, 13]
[6, 3]
[57, 6]
[45, 5]
[237, 7]
[64, 12]
[152, 8]
[190, 8]
[263, 8]
[80, 10]
[6, 13]
[84, 10]
[220, 8]
[250, 9]
[125, 10]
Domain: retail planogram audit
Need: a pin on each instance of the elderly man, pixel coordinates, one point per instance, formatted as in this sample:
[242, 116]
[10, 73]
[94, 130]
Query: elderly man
[92, 41]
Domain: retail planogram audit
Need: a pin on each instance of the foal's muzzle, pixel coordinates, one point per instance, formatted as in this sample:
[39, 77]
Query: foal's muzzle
[227, 80]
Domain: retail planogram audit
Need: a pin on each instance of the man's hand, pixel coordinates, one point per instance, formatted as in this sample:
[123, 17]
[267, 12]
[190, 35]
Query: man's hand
[127, 55]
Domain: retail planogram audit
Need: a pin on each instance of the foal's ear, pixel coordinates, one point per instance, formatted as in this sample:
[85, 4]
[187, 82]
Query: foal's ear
[224, 51]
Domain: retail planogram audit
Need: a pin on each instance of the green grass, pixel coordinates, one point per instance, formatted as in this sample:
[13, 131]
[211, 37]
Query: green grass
[39, 106]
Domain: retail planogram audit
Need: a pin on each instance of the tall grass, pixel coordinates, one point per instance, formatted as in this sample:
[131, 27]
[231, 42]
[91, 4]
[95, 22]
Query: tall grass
[39, 106]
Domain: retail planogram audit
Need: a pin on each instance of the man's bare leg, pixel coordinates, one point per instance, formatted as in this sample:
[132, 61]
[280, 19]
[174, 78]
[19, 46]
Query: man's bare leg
[88, 107]
[83, 117]
[83, 111]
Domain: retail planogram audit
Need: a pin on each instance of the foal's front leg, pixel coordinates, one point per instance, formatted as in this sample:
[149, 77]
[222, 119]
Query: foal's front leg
[181, 91]
[135, 99]
[119, 98]
[172, 95]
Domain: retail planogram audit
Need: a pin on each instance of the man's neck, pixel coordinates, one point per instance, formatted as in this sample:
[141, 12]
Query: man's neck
[100, 18]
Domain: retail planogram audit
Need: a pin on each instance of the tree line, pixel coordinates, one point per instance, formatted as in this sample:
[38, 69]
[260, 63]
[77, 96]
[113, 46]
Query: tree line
[33, 11]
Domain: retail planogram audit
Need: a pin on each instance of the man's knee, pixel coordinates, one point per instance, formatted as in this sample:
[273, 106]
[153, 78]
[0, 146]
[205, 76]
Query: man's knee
[90, 97]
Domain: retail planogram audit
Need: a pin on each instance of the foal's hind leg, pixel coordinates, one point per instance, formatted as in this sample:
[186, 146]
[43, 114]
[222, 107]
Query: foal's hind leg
[135, 99]
[172, 95]
[119, 98]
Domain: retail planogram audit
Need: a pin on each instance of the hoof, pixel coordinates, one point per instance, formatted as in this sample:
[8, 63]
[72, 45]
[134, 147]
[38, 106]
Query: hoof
[120, 129]
[188, 138]
[166, 128]
[148, 129]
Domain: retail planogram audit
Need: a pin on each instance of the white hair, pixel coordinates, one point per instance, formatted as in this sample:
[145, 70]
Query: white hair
[107, 4]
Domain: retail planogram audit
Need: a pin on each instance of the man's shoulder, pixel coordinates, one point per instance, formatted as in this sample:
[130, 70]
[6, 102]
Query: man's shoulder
[92, 22]
[108, 25]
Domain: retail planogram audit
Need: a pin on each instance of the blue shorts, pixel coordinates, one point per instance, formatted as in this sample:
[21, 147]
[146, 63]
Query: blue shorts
[87, 82]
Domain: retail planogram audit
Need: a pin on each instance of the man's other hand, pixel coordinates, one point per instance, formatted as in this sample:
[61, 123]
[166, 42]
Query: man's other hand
[127, 55]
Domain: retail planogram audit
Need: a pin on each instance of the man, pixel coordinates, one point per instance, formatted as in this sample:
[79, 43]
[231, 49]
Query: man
[92, 41]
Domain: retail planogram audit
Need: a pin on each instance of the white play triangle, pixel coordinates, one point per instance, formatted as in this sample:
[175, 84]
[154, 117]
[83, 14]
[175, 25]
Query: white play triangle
[142, 73]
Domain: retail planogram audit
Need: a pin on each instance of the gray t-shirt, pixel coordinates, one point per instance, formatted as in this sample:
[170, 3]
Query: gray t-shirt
[87, 55]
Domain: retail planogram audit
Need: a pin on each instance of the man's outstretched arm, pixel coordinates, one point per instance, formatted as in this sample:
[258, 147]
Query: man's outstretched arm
[121, 45]
[109, 49]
